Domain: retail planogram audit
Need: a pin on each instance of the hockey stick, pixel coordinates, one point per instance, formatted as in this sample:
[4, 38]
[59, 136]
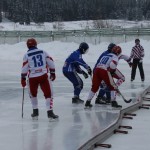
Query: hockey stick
[22, 100]
[127, 101]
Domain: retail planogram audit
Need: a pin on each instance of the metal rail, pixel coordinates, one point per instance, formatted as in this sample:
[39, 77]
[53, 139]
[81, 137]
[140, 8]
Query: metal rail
[99, 35]
[101, 137]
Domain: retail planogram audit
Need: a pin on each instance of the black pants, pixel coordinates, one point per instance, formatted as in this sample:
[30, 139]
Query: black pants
[140, 66]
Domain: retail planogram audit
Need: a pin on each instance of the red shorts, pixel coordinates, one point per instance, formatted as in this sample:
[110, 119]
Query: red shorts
[99, 76]
[41, 81]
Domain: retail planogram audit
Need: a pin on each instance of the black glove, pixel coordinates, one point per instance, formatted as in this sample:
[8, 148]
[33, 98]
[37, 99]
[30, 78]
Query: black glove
[85, 74]
[89, 70]
[52, 76]
[130, 64]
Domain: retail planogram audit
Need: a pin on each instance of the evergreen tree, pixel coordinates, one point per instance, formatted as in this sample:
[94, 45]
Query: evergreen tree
[1, 11]
[38, 11]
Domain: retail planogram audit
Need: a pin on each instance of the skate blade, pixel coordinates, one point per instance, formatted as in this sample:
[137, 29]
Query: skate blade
[116, 108]
[53, 120]
[87, 108]
[78, 103]
[100, 104]
[35, 118]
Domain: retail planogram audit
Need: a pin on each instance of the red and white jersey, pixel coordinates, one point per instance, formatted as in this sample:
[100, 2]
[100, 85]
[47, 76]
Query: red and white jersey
[36, 62]
[108, 61]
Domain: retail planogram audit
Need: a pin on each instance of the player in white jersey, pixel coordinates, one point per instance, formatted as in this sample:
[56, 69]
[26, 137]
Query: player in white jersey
[36, 65]
[105, 67]
[120, 79]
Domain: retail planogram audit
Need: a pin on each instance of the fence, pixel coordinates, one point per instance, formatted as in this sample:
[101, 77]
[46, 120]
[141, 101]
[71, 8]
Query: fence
[90, 36]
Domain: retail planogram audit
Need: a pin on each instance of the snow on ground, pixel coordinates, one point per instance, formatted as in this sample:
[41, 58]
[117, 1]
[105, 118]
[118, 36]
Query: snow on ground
[7, 25]
[60, 50]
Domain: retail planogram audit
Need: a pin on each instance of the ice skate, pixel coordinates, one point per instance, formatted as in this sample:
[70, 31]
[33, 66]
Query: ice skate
[51, 115]
[100, 100]
[114, 104]
[88, 104]
[108, 100]
[77, 100]
[35, 114]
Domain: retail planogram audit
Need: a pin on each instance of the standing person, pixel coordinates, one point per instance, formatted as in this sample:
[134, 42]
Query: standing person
[36, 64]
[103, 70]
[71, 69]
[137, 55]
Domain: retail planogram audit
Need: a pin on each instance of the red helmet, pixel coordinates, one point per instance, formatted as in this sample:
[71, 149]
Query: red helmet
[31, 43]
[116, 50]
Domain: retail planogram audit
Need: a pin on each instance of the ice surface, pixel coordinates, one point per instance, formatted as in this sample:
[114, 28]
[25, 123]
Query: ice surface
[75, 125]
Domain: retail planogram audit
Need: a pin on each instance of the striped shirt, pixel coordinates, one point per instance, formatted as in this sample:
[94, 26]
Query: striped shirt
[137, 52]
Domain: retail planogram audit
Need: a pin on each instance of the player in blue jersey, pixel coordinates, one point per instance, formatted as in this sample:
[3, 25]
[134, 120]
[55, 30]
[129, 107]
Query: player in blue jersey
[103, 88]
[104, 96]
[72, 68]
[103, 71]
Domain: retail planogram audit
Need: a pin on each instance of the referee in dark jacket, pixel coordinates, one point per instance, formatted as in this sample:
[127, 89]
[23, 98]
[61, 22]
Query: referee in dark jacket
[137, 55]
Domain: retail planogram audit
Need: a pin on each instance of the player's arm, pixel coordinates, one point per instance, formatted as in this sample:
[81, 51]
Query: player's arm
[24, 70]
[51, 66]
[81, 62]
[126, 58]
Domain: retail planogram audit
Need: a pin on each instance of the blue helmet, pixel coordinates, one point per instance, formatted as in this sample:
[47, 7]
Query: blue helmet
[110, 46]
[83, 47]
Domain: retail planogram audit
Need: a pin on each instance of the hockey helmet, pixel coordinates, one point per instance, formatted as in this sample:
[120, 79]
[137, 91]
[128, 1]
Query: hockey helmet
[110, 46]
[116, 50]
[83, 47]
[31, 43]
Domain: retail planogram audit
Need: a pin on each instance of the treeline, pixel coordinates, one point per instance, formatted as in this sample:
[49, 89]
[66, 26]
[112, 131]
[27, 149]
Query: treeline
[39, 11]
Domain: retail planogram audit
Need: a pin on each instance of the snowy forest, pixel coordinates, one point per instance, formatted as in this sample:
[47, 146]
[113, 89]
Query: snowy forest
[39, 11]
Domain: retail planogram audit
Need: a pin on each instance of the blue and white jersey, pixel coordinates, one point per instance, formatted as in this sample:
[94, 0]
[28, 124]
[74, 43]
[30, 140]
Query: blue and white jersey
[104, 53]
[73, 61]
[107, 61]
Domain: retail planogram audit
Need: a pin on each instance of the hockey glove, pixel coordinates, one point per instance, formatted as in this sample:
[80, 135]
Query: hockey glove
[53, 76]
[89, 70]
[23, 82]
[85, 74]
[130, 64]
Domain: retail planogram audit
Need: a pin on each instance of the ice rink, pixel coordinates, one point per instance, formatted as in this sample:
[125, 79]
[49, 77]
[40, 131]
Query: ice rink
[75, 125]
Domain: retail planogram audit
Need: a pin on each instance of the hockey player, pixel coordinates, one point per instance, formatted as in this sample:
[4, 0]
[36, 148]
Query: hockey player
[103, 70]
[71, 69]
[101, 99]
[36, 65]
